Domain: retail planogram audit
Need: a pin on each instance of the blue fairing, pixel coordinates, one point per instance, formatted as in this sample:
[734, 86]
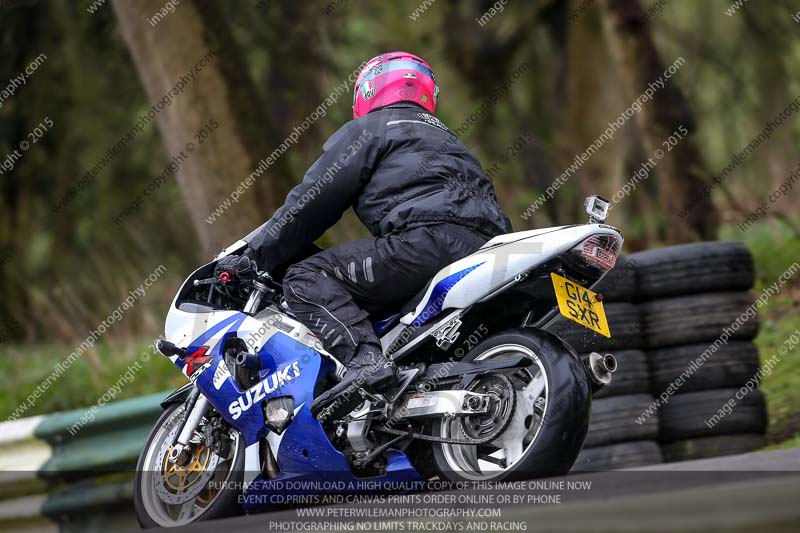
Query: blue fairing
[289, 368]
[289, 487]
[278, 356]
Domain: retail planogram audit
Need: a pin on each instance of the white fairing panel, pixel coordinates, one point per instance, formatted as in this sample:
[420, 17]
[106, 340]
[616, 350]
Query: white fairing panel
[235, 247]
[498, 262]
[183, 327]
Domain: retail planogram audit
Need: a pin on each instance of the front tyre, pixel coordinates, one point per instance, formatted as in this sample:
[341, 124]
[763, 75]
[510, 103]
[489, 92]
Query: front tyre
[551, 402]
[165, 495]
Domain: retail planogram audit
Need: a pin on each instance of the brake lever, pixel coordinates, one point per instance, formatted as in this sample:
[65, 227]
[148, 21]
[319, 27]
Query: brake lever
[208, 281]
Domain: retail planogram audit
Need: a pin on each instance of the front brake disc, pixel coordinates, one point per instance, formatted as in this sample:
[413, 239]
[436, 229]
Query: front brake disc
[177, 485]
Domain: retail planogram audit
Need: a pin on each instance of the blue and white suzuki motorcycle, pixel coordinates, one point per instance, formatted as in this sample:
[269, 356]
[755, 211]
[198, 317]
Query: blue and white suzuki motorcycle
[485, 393]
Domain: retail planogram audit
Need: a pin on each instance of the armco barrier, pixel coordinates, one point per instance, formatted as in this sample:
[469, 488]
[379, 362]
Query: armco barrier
[22, 455]
[51, 478]
[109, 443]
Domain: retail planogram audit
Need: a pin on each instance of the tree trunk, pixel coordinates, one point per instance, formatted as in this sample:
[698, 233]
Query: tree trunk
[584, 119]
[681, 173]
[222, 91]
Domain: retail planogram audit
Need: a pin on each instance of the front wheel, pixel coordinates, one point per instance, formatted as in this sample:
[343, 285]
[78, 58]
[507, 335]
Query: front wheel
[168, 495]
[544, 409]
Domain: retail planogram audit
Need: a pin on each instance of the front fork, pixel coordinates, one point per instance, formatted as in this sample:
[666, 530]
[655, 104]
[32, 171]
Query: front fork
[196, 408]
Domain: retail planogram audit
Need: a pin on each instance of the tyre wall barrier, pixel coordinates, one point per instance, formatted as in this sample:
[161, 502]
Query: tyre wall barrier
[666, 308]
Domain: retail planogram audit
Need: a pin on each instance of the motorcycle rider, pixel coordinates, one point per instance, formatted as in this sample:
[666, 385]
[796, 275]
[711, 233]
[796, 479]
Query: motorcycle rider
[421, 193]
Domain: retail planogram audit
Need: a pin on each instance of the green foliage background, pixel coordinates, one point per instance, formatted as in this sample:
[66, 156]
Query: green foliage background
[63, 272]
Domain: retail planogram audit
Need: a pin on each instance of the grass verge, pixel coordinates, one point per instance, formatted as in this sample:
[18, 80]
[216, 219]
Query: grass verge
[774, 250]
[24, 367]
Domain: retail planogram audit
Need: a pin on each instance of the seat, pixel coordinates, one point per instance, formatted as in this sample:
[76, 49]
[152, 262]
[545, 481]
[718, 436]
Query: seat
[382, 325]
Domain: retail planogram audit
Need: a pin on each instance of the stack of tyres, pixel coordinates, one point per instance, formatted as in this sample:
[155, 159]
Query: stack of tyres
[615, 438]
[698, 328]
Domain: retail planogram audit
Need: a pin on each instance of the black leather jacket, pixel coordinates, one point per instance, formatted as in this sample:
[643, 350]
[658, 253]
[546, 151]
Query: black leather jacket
[399, 167]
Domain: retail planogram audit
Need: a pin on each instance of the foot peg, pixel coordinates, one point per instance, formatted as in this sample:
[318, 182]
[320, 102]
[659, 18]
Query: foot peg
[345, 397]
[369, 372]
[336, 403]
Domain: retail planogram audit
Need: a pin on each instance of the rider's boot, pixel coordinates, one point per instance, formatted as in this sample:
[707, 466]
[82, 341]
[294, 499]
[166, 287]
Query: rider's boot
[369, 370]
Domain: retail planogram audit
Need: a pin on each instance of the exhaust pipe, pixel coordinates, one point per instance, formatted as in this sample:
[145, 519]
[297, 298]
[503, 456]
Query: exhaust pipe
[600, 369]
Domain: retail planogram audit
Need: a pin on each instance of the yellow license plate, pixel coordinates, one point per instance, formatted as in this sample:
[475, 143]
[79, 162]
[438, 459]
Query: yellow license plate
[580, 305]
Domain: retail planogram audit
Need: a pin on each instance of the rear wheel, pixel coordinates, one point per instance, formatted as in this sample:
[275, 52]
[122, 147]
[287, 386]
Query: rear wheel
[168, 495]
[540, 413]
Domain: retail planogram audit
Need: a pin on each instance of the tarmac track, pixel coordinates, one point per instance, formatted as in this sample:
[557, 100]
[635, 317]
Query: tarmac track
[753, 492]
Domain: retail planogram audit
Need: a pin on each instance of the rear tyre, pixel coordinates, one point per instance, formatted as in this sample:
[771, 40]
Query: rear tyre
[550, 415]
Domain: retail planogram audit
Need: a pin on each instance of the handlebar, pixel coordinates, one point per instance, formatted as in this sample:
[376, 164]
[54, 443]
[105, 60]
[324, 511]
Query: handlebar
[228, 284]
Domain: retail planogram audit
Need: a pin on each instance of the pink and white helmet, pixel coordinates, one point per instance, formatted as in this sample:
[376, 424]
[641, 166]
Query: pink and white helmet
[394, 77]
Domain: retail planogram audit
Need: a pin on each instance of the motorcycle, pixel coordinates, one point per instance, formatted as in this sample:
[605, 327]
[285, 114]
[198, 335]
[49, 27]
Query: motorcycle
[485, 393]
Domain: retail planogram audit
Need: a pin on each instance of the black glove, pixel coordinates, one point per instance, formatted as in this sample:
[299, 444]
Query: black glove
[252, 254]
[238, 267]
